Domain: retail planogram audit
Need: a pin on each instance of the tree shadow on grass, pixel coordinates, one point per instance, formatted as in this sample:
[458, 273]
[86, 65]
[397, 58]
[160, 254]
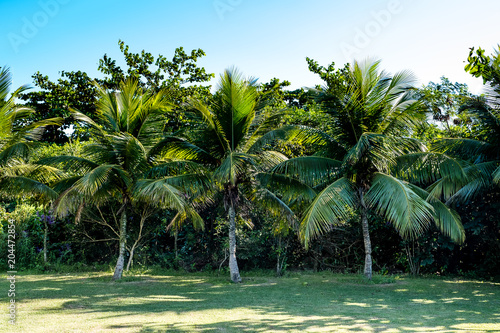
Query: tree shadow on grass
[198, 304]
[331, 324]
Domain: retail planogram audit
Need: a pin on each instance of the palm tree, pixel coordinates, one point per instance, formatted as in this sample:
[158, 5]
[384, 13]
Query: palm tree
[353, 173]
[483, 151]
[125, 164]
[17, 139]
[232, 129]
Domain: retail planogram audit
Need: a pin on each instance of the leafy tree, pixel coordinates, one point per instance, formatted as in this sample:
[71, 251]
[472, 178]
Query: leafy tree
[232, 132]
[272, 93]
[354, 172]
[181, 76]
[125, 163]
[336, 82]
[73, 90]
[487, 67]
[443, 100]
[159, 73]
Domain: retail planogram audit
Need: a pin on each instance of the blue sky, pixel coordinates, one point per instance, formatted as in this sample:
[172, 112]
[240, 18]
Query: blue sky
[264, 39]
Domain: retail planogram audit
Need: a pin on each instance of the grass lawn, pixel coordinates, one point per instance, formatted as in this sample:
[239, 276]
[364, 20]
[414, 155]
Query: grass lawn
[322, 302]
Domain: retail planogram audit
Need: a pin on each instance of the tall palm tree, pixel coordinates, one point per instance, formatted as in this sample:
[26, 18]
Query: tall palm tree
[232, 130]
[17, 139]
[125, 162]
[483, 151]
[354, 171]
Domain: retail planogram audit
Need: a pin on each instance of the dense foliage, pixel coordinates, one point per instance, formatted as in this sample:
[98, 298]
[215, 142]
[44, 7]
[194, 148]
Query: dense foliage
[366, 170]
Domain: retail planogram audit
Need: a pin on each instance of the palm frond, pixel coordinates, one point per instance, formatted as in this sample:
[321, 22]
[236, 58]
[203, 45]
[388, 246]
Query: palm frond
[17, 150]
[131, 153]
[480, 179]
[42, 173]
[310, 170]
[465, 148]
[267, 200]
[308, 136]
[69, 163]
[403, 117]
[99, 179]
[334, 205]
[267, 130]
[496, 175]
[160, 193]
[374, 148]
[486, 113]
[234, 166]
[80, 117]
[170, 168]
[65, 183]
[147, 120]
[192, 184]
[428, 167]
[233, 107]
[446, 219]
[290, 189]
[35, 130]
[399, 204]
[19, 186]
[268, 159]
[180, 149]
[188, 214]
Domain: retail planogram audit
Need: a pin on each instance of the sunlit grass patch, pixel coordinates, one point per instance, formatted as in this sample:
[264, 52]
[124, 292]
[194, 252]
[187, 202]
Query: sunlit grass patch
[300, 302]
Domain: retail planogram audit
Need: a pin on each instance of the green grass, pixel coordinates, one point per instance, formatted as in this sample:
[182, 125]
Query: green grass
[300, 302]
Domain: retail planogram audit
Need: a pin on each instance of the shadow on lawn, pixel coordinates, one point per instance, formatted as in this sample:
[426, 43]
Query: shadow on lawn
[332, 324]
[278, 305]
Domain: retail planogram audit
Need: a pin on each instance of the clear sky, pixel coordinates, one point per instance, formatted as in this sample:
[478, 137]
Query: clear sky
[263, 38]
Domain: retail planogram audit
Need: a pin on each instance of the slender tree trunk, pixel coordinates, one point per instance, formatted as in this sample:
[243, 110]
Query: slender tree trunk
[176, 235]
[278, 263]
[123, 242]
[130, 262]
[366, 238]
[45, 236]
[130, 258]
[233, 264]
[282, 255]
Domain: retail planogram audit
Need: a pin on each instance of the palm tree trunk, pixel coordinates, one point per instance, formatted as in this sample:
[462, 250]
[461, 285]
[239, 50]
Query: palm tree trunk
[366, 239]
[233, 264]
[123, 240]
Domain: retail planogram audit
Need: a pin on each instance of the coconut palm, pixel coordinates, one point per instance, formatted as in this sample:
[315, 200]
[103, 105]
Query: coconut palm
[483, 151]
[17, 139]
[232, 128]
[353, 173]
[124, 163]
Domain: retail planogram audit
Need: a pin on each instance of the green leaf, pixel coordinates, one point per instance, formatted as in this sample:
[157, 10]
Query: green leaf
[332, 206]
[310, 170]
[399, 204]
[160, 193]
